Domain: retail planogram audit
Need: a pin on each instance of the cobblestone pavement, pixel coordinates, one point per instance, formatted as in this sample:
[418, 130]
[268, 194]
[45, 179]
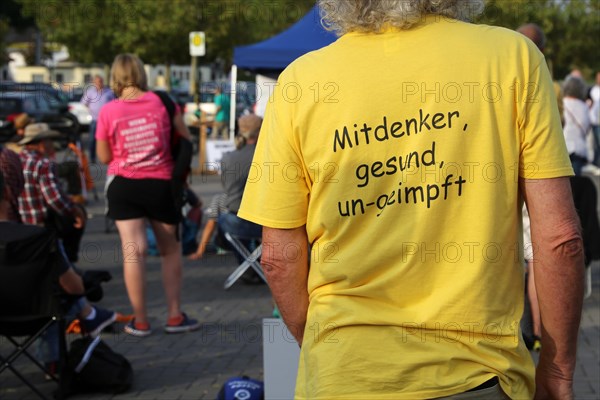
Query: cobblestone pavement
[195, 365]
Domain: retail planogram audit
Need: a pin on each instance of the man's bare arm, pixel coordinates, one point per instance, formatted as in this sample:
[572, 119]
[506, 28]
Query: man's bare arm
[285, 263]
[559, 271]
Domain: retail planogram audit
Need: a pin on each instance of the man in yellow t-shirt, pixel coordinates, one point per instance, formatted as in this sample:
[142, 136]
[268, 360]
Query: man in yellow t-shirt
[389, 177]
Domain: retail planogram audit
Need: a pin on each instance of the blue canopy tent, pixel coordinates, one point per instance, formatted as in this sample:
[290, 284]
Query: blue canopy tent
[273, 55]
[276, 53]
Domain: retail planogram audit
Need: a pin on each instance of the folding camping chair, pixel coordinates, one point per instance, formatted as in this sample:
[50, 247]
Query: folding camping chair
[250, 260]
[29, 301]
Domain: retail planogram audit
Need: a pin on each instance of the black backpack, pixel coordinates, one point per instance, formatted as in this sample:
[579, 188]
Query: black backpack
[182, 151]
[92, 366]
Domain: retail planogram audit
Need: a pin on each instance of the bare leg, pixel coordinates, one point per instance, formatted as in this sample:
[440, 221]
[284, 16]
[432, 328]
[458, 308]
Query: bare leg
[533, 301]
[171, 260]
[134, 244]
[211, 224]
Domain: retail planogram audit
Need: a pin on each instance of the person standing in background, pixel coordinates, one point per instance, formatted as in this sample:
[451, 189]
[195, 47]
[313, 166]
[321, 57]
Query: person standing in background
[535, 33]
[577, 125]
[221, 124]
[595, 118]
[133, 138]
[94, 98]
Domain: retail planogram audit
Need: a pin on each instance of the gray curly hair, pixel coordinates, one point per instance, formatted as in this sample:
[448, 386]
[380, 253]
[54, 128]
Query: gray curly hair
[370, 16]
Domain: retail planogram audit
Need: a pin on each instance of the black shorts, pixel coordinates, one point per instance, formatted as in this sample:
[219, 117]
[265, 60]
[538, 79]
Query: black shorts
[141, 198]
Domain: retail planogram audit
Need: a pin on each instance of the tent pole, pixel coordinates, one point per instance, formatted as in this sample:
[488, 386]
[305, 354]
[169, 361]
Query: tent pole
[233, 100]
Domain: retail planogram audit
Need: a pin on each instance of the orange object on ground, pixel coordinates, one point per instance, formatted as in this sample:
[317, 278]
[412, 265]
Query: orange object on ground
[75, 326]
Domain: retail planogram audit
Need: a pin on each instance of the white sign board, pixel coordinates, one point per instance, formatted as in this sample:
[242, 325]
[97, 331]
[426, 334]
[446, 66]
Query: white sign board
[197, 44]
[264, 89]
[214, 153]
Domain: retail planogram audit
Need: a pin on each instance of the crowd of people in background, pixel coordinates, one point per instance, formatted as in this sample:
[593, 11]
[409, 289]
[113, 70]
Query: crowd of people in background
[577, 110]
[581, 112]
[131, 132]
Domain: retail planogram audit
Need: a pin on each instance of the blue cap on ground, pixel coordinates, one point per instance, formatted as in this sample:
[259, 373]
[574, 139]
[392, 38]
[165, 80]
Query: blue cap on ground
[242, 388]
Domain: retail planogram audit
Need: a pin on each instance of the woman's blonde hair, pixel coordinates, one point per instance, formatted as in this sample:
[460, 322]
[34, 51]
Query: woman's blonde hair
[371, 16]
[127, 70]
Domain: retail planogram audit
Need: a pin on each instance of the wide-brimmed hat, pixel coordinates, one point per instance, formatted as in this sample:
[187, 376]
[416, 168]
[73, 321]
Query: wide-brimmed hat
[36, 132]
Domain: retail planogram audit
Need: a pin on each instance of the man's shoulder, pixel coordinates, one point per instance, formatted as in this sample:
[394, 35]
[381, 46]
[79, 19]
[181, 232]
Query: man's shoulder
[249, 149]
[8, 154]
[229, 156]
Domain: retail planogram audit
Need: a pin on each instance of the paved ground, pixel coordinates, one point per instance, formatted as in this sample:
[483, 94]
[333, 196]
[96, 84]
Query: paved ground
[194, 366]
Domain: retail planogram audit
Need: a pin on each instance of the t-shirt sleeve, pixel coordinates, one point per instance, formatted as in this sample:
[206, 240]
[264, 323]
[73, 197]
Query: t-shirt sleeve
[276, 193]
[543, 149]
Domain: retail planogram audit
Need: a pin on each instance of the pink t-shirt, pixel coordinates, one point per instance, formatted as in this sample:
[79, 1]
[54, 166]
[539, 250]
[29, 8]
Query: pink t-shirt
[138, 132]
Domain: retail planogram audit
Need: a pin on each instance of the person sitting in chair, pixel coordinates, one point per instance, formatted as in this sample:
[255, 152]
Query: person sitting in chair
[42, 202]
[20, 240]
[235, 169]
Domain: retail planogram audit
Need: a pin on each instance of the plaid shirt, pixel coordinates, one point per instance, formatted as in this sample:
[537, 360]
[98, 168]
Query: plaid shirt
[42, 189]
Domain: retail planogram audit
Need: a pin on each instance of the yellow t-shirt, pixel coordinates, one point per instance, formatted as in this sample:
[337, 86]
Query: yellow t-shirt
[401, 153]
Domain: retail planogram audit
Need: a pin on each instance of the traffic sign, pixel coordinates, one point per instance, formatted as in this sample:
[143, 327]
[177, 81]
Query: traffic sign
[197, 44]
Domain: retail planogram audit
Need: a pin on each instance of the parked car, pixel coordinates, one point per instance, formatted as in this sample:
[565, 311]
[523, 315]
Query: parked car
[55, 97]
[37, 106]
[79, 110]
[82, 113]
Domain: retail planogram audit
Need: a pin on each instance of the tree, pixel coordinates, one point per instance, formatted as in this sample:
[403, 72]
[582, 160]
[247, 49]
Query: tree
[572, 29]
[157, 30]
[86, 28]
[233, 23]
[94, 31]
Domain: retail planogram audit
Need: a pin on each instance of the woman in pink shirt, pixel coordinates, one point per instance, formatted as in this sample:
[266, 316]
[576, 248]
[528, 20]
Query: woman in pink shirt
[133, 138]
